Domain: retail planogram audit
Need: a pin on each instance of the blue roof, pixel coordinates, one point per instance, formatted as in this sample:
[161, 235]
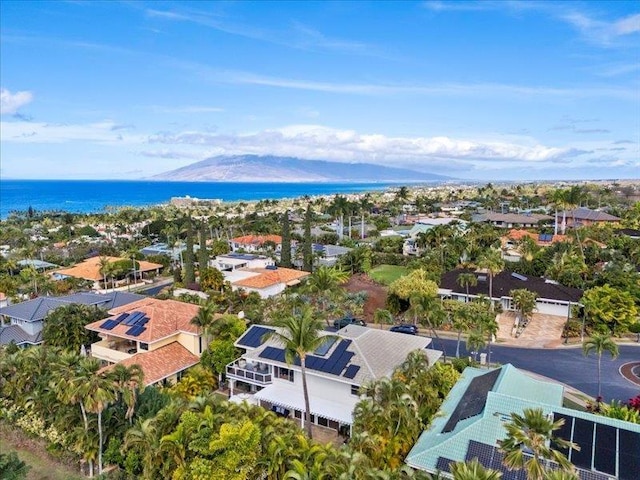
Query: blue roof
[35, 263]
[38, 308]
[15, 334]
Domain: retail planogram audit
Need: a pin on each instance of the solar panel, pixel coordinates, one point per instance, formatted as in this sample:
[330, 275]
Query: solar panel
[342, 362]
[481, 451]
[583, 436]
[564, 431]
[135, 330]
[519, 277]
[351, 371]
[474, 398]
[629, 456]
[604, 459]
[253, 338]
[132, 318]
[325, 346]
[142, 321]
[121, 317]
[443, 464]
[108, 325]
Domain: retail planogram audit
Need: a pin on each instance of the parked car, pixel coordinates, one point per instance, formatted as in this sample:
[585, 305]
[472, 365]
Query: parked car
[343, 322]
[405, 328]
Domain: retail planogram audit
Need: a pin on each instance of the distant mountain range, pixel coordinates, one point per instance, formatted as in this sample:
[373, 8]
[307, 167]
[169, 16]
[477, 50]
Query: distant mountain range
[255, 168]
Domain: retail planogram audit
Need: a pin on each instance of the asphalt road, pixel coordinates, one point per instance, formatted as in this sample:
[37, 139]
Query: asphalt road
[566, 365]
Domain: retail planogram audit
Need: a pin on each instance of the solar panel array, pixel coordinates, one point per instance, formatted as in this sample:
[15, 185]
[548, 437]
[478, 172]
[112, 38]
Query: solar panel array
[135, 320]
[474, 398]
[600, 446]
[545, 237]
[253, 338]
[351, 371]
[443, 464]
[334, 364]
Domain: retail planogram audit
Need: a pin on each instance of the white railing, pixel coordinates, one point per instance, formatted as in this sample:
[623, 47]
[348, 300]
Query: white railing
[103, 351]
[249, 372]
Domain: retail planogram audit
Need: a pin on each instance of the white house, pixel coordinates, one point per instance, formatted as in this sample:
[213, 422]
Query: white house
[353, 357]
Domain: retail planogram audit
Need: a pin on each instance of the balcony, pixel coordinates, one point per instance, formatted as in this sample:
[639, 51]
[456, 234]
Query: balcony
[113, 351]
[254, 373]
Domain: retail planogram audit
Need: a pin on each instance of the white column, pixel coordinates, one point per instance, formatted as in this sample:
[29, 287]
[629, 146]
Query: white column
[231, 383]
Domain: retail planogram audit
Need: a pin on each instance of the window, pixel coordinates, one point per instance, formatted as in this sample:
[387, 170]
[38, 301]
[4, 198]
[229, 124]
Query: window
[323, 422]
[143, 346]
[355, 390]
[285, 374]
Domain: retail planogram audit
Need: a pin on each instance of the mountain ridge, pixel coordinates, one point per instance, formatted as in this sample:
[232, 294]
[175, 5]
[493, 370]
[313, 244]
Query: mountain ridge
[269, 168]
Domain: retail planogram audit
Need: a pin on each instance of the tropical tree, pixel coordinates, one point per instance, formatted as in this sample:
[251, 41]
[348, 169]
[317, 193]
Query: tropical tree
[525, 301]
[415, 282]
[12, 468]
[533, 431]
[128, 382]
[307, 245]
[64, 326]
[189, 268]
[211, 279]
[324, 282]
[610, 307]
[205, 317]
[299, 335]
[467, 280]
[100, 392]
[476, 342]
[203, 253]
[462, 320]
[285, 251]
[382, 316]
[104, 269]
[491, 261]
[600, 344]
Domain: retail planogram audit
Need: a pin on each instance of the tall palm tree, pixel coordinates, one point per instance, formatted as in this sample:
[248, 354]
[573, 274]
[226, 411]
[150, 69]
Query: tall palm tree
[382, 316]
[467, 280]
[127, 382]
[600, 344]
[323, 282]
[491, 261]
[462, 321]
[100, 392]
[533, 431]
[104, 269]
[299, 334]
[205, 317]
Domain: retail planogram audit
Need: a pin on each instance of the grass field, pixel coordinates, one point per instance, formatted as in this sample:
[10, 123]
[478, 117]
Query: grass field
[386, 274]
[43, 466]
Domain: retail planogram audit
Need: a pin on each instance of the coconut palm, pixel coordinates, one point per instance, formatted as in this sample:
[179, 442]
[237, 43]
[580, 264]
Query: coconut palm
[100, 392]
[382, 316]
[467, 280]
[128, 381]
[299, 334]
[104, 269]
[475, 343]
[323, 282]
[600, 344]
[491, 261]
[532, 431]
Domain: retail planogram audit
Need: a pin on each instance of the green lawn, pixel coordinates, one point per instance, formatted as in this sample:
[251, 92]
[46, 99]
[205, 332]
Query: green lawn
[386, 274]
[43, 466]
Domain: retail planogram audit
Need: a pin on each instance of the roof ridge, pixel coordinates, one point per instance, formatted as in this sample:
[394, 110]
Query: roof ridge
[361, 355]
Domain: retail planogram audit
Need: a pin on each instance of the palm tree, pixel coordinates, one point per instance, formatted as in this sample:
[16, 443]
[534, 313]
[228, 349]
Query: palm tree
[127, 382]
[323, 282]
[473, 470]
[491, 261]
[467, 280]
[99, 393]
[533, 432]
[382, 316]
[475, 343]
[104, 269]
[462, 321]
[600, 344]
[299, 334]
[205, 317]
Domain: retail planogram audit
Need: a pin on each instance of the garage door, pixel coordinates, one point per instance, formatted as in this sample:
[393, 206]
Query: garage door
[552, 309]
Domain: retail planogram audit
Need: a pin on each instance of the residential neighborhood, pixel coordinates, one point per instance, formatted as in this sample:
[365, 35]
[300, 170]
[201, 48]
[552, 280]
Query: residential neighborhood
[337, 334]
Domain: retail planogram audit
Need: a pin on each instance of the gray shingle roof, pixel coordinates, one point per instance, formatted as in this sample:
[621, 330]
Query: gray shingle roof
[583, 213]
[38, 308]
[15, 334]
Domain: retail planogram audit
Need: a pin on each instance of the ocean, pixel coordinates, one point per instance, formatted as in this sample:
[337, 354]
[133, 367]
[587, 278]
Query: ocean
[87, 196]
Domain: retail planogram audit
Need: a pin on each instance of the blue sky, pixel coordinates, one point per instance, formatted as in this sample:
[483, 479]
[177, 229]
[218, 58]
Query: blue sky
[477, 90]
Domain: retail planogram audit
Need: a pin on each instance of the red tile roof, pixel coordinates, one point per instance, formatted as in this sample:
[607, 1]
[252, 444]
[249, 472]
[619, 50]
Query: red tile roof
[90, 268]
[166, 317]
[161, 363]
[267, 277]
[257, 239]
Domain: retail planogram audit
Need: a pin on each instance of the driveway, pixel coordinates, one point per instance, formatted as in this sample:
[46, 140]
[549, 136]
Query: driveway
[566, 365]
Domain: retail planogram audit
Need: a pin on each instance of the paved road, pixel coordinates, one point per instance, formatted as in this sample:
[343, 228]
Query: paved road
[566, 365]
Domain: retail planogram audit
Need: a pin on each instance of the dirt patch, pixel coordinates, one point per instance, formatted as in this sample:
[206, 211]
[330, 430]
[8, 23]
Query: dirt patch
[376, 293]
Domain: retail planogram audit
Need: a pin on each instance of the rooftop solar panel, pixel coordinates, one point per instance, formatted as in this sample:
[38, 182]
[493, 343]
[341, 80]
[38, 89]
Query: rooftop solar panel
[253, 337]
[604, 459]
[474, 398]
[583, 436]
[132, 318]
[443, 464]
[108, 325]
[564, 431]
[143, 321]
[351, 371]
[629, 455]
[121, 317]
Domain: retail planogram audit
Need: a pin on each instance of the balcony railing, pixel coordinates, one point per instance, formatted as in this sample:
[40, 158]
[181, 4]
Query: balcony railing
[249, 372]
[105, 350]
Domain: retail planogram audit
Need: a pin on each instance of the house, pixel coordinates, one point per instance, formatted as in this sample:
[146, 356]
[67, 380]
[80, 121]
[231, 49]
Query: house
[470, 424]
[27, 318]
[254, 243]
[510, 241]
[512, 220]
[155, 334]
[90, 270]
[266, 282]
[35, 263]
[174, 253]
[335, 371]
[323, 255]
[553, 298]
[410, 246]
[584, 217]
[237, 261]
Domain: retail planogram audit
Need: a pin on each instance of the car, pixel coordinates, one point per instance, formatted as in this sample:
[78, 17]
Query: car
[405, 328]
[343, 322]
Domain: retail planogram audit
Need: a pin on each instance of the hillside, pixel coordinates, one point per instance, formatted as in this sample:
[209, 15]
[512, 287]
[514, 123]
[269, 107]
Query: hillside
[254, 168]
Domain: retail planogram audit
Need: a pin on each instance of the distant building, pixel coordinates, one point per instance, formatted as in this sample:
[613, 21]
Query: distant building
[410, 246]
[512, 220]
[470, 424]
[254, 243]
[192, 201]
[584, 217]
[90, 270]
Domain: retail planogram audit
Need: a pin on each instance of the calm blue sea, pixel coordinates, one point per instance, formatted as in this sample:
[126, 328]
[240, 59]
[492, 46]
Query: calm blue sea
[85, 196]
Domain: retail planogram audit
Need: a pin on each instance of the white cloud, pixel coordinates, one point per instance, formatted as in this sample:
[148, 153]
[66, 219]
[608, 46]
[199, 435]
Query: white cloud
[38, 132]
[627, 25]
[319, 142]
[10, 103]
[186, 109]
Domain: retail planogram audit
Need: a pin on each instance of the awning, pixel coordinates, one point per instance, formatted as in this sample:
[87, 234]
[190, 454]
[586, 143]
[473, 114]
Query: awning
[291, 397]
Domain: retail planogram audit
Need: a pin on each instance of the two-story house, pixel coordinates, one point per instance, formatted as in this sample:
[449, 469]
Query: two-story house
[26, 319]
[155, 334]
[351, 358]
[255, 243]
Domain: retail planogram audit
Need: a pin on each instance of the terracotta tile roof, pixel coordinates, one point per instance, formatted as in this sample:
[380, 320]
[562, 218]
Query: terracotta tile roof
[257, 239]
[267, 277]
[520, 234]
[90, 268]
[161, 363]
[166, 317]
